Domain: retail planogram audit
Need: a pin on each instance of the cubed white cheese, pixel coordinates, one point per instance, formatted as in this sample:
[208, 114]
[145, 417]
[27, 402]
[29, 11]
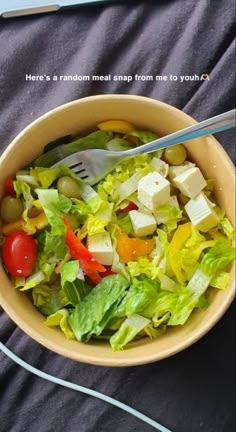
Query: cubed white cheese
[153, 190]
[161, 166]
[190, 182]
[174, 171]
[201, 213]
[100, 246]
[143, 224]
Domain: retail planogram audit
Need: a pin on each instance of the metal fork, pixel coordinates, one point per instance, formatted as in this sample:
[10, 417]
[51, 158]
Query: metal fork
[93, 165]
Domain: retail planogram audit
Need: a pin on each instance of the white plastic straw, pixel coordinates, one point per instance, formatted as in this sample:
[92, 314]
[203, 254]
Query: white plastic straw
[82, 389]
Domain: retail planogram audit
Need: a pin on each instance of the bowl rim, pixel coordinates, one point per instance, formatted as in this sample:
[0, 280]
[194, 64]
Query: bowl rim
[118, 361]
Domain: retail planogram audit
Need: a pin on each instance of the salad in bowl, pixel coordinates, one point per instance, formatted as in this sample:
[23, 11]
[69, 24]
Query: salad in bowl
[125, 259]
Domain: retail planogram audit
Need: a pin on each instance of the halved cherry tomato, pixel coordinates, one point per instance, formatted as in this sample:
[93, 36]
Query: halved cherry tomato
[19, 254]
[129, 207]
[8, 187]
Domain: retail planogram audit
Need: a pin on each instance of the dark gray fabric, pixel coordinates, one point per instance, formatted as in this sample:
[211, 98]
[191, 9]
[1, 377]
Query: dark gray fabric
[194, 390]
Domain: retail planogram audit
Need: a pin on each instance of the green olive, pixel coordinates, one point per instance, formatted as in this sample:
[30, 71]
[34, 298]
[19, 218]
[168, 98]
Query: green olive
[175, 155]
[11, 209]
[68, 187]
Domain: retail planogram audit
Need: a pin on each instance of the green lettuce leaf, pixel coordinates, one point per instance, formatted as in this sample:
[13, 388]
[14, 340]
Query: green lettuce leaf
[24, 189]
[227, 228]
[141, 293]
[49, 299]
[124, 223]
[169, 216]
[188, 298]
[80, 209]
[56, 142]
[60, 318]
[45, 177]
[51, 247]
[202, 302]
[97, 139]
[127, 331]
[94, 225]
[50, 202]
[220, 280]
[74, 288]
[143, 266]
[143, 136]
[118, 144]
[218, 257]
[93, 313]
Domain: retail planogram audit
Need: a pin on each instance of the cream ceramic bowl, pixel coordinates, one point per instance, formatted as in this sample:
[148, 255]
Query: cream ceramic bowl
[81, 116]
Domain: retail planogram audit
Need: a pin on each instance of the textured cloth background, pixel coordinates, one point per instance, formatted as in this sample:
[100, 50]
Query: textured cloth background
[194, 390]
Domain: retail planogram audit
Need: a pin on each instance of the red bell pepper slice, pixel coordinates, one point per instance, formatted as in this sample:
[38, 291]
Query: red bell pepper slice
[108, 272]
[78, 251]
[129, 207]
[8, 188]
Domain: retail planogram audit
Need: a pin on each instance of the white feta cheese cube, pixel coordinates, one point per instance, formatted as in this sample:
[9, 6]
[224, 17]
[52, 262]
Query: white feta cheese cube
[190, 182]
[161, 166]
[143, 224]
[174, 171]
[100, 246]
[201, 213]
[153, 190]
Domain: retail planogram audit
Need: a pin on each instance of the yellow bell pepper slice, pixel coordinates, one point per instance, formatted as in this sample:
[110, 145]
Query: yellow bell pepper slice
[37, 223]
[13, 226]
[180, 236]
[119, 126]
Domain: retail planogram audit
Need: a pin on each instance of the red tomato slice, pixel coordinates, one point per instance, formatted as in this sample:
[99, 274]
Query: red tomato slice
[19, 254]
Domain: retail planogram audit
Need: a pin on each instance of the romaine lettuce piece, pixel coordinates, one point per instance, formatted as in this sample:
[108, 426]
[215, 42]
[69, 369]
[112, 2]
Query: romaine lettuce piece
[123, 221]
[93, 313]
[143, 266]
[143, 136]
[97, 139]
[49, 299]
[45, 176]
[218, 257]
[142, 292]
[220, 280]
[60, 318]
[227, 228]
[127, 331]
[188, 298]
[169, 216]
[74, 288]
[50, 202]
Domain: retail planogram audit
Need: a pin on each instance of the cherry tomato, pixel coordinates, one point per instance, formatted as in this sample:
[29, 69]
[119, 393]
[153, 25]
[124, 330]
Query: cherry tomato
[19, 254]
[8, 187]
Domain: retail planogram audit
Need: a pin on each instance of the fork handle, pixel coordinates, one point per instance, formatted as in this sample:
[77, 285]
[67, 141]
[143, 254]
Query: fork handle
[213, 125]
